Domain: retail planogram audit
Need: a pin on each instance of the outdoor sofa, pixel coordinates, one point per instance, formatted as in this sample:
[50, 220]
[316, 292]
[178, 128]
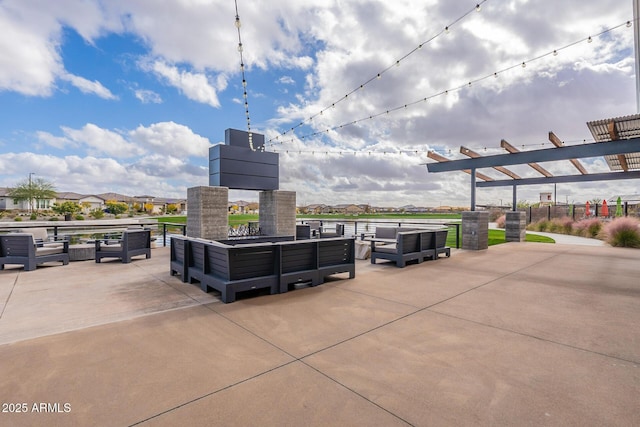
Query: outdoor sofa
[408, 245]
[21, 248]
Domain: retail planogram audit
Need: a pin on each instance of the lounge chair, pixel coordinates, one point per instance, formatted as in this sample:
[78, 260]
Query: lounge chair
[21, 248]
[132, 243]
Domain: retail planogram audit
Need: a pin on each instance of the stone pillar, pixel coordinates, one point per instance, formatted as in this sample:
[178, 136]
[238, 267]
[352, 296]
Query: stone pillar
[207, 212]
[475, 230]
[515, 226]
[278, 213]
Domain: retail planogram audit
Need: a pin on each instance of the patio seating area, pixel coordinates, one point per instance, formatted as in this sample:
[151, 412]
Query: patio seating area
[519, 334]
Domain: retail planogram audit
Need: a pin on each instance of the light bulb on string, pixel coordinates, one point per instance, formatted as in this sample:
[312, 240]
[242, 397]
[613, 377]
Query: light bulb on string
[589, 40]
[478, 8]
[237, 23]
[555, 53]
[628, 24]
[446, 30]
[524, 65]
[239, 47]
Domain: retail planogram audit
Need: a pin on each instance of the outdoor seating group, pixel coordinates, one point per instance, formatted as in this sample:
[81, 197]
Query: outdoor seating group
[231, 267]
[403, 245]
[33, 246]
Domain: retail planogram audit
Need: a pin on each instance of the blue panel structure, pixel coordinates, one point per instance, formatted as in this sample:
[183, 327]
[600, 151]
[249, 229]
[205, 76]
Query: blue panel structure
[242, 164]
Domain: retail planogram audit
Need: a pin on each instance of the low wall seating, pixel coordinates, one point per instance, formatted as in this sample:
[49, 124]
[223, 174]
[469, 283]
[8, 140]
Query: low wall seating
[21, 248]
[408, 245]
[233, 268]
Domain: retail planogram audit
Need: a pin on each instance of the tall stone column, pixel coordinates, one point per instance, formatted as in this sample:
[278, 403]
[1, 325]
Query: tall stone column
[475, 230]
[515, 226]
[207, 212]
[278, 213]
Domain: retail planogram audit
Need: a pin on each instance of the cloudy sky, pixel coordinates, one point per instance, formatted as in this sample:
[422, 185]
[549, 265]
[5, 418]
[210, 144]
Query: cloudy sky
[128, 95]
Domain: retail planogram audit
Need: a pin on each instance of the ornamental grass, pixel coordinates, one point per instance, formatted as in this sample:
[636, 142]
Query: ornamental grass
[623, 232]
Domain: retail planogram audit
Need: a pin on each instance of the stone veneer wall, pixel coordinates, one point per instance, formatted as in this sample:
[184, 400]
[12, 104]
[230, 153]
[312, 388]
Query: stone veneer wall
[207, 212]
[515, 226]
[278, 213]
[475, 230]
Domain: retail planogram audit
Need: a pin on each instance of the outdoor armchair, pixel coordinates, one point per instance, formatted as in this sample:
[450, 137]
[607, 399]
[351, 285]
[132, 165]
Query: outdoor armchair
[21, 248]
[132, 243]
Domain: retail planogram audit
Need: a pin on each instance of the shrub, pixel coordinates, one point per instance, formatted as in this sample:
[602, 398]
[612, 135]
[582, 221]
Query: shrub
[18, 218]
[540, 225]
[587, 227]
[566, 224]
[33, 216]
[54, 218]
[500, 221]
[79, 218]
[96, 214]
[623, 232]
[554, 226]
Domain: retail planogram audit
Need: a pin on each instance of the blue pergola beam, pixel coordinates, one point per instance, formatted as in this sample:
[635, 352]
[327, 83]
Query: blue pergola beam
[598, 149]
[606, 176]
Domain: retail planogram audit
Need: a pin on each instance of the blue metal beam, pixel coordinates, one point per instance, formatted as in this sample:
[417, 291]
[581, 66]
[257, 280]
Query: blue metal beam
[545, 155]
[606, 176]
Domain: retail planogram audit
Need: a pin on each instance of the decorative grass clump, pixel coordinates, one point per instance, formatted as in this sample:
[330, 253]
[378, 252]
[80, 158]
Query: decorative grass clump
[540, 225]
[623, 232]
[562, 225]
[501, 221]
[587, 227]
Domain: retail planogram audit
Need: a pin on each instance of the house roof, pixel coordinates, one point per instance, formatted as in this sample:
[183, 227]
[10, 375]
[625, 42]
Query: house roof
[69, 195]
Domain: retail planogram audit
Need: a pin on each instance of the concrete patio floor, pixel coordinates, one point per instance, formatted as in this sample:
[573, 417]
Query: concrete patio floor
[519, 334]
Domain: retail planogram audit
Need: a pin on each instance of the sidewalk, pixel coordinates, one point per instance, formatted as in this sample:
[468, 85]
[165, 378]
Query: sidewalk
[519, 334]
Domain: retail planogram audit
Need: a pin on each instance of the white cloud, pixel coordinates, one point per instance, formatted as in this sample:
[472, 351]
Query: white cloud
[87, 86]
[148, 96]
[170, 138]
[286, 80]
[29, 61]
[102, 141]
[330, 49]
[195, 86]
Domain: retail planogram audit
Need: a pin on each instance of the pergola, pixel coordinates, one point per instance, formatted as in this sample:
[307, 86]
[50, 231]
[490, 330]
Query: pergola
[617, 140]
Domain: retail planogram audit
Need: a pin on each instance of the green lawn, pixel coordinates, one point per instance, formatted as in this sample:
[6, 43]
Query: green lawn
[498, 236]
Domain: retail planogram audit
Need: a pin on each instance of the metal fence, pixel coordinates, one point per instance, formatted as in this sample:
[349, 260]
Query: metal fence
[576, 212]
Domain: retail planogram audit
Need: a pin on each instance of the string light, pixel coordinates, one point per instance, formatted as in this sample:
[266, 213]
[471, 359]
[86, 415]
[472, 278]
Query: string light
[413, 152]
[395, 63]
[238, 24]
[457, 88]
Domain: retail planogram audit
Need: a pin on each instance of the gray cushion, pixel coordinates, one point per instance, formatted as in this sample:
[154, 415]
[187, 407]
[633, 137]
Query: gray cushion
[389, 249]
[110, 248]
[49, 251]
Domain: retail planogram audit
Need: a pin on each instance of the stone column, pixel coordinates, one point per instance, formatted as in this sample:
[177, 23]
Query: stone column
[515, 226]
[475, 230]
[278, 213]
[207, 212]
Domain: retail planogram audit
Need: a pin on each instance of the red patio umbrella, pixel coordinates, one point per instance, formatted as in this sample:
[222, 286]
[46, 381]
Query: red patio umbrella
[587, 210]
[605, 208]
